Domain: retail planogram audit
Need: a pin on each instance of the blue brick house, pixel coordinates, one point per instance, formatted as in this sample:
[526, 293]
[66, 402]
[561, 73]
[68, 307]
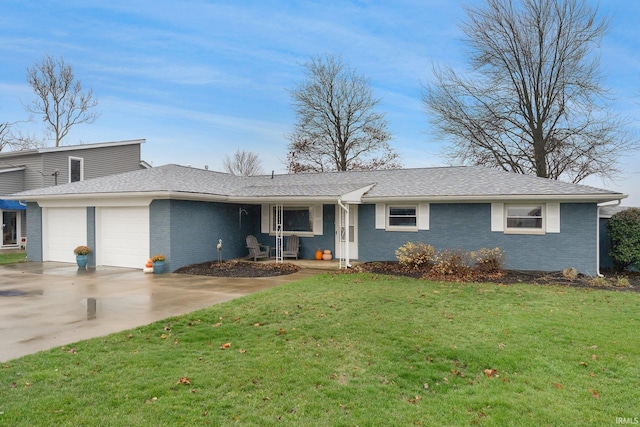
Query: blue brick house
[182, 212]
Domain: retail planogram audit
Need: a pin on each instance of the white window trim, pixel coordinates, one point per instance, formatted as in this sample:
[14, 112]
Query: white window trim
[267, 220]
[81, 160]
[390, 227]
[382, 217]
[543, 212]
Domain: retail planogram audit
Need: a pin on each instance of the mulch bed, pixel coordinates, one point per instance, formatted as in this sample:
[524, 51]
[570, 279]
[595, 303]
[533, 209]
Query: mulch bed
[611, 281]
[258, 269]
[239, 269]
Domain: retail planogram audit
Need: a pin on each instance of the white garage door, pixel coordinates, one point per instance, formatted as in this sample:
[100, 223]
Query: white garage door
[122, 236]
[62, 230]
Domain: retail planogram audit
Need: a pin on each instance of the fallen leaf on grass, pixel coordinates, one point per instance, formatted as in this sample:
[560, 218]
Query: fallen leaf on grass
[414, 400]
[184, 380]
[215, 325]
[163, 336]
[585, 364]
[501, 345]
[594, 393]
[557, 385]
[594, 357]
[225, 346]
[282, 332]
[490, 373]
[242, 351]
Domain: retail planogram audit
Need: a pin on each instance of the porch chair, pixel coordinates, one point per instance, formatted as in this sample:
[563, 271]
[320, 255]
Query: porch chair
[292, 247]
[256, 250]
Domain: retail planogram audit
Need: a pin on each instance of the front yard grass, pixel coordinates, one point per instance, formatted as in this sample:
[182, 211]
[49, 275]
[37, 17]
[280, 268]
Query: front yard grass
[13, 258]
[356, 349]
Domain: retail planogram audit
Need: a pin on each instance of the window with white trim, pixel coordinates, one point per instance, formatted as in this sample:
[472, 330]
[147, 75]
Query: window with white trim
[524, 218]
[76, 169]
[402, 217]
[296, 219]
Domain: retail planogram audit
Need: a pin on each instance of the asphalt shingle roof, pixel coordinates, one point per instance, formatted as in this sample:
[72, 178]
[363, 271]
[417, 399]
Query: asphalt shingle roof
[433, 183]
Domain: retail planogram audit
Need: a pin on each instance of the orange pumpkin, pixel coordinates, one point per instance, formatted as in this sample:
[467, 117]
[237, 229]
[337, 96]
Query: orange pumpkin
[149, 264]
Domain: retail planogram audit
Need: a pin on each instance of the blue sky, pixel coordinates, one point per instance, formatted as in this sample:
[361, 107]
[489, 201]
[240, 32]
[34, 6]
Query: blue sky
[199, 79]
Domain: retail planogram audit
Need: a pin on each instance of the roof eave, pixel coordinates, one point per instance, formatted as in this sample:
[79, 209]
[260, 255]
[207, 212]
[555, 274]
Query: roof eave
[584, 198]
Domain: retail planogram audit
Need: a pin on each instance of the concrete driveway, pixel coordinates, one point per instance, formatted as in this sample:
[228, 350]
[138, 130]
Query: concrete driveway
[45, 305]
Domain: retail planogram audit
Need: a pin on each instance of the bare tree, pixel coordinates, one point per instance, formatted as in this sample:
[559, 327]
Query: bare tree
[534, 102]
[244, 163]
[12, 139]
[337, 126]
[60, 98]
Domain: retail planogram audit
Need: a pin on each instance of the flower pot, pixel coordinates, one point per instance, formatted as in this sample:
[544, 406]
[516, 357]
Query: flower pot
[82, 260]
[327, 255]
[158, 267]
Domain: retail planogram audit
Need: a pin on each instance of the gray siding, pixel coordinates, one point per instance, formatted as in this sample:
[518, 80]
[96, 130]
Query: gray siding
[11, 182]
[40, 167]
[34, 232]
[468, 227]
[99, 161]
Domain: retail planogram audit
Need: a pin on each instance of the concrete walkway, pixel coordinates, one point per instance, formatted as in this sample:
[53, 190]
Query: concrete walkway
[45, 305]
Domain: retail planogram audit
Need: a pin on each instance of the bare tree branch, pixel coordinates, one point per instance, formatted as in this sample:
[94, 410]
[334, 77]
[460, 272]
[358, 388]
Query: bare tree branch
[337, 126]
[534, 102]
[12, 139]
[244, 163]
[60, 98]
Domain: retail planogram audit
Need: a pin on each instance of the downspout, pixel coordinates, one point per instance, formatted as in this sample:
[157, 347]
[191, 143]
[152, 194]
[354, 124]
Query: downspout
[346, 233]
[598, 236]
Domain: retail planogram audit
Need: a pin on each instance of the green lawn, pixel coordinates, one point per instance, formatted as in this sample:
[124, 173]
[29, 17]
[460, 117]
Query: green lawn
[351, 350]
[12, 258]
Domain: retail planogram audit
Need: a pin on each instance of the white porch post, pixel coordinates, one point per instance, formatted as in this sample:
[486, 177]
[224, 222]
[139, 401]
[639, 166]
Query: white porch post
[343, 228]
[279, 208]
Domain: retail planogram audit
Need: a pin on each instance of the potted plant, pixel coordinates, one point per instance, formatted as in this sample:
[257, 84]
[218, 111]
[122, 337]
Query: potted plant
[82, 255]
[158, 263]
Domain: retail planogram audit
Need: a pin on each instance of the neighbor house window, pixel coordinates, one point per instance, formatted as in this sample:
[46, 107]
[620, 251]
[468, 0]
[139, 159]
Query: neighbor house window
[295, 219]
[525, 218]
[403, 217]
[76, 169]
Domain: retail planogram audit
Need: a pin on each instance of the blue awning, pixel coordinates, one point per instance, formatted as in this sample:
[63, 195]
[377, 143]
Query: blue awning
[11, 205]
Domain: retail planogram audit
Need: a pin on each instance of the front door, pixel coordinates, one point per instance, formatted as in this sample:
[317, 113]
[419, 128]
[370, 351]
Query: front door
[9, 228]
[341, 232]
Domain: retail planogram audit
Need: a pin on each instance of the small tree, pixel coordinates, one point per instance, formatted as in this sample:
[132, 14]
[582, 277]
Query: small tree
[337, 126]
[624, 229]
[12, 139]
[60, 98]
[243, 163]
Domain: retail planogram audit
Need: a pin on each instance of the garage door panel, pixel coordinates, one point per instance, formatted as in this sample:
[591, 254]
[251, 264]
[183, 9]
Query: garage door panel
[63, 230]
[122, 236]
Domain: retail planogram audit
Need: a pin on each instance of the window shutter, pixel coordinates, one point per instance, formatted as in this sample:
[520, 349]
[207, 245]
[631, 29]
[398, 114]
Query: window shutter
[381, 216]
[497, 216]
[317, 220]
[553, 217]
[264, 221]
[423, 216]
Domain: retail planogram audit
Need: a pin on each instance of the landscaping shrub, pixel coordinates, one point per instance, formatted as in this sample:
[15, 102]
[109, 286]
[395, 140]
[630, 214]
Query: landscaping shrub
[570, 273]
[415, 256]
[452, 262]
[624, 229]
[488, 260]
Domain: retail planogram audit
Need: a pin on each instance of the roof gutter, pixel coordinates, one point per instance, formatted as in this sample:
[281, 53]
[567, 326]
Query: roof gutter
[585, 198]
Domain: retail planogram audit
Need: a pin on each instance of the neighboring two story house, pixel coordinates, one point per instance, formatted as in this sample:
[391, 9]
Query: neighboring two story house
[51, 166]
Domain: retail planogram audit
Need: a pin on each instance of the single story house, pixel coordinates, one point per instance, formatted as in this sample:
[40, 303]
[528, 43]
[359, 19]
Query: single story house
[182, 212]
[25, 170]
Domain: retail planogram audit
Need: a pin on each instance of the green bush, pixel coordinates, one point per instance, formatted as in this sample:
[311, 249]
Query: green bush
[415, 256]
[624, 229]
